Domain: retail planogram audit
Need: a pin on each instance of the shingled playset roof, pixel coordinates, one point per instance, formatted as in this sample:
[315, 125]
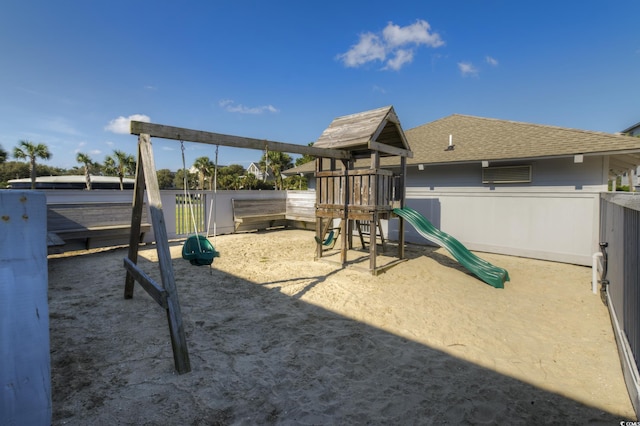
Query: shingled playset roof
[378, 129]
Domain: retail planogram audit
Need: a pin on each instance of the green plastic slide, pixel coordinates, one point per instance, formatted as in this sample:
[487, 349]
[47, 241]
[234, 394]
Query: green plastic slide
[492, 275]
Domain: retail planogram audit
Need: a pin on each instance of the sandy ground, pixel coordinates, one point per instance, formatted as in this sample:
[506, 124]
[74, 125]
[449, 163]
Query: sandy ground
[276, 338]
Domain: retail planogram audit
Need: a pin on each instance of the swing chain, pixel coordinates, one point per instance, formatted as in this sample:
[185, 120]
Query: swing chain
[187, 197]
[184, 166]
[266, 161]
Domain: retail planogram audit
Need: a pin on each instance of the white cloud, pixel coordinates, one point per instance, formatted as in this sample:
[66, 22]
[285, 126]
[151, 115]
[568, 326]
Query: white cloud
[467, 69]
[400, 58]
[417, 33]
[368, 49]
[231, 106]
[122, 124]
[491, 61]
[395, 46]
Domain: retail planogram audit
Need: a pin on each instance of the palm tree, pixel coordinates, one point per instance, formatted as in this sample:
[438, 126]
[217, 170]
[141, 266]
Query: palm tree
[227, 182]
[179, 179]
[121, 165]
[86, 161]
[298, 182]
[306, 158]
[203, 165]
[3, 155]
[277, 162]
[29, 150]
[250, 181]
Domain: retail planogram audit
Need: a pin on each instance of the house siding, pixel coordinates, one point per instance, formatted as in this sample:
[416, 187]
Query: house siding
[555, 217]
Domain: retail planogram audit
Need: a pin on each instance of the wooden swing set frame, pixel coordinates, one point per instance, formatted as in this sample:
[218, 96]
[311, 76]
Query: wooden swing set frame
[165, 294]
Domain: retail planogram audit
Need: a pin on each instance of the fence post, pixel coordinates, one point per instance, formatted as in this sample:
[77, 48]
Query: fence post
[25, 370]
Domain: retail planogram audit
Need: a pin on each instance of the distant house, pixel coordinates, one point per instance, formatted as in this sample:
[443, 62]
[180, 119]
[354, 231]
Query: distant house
[632, 131]
[71, 182]
[255, 170]
[511, 187]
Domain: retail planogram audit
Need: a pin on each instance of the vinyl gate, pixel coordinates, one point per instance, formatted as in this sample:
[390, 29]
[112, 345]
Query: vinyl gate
[190, 208]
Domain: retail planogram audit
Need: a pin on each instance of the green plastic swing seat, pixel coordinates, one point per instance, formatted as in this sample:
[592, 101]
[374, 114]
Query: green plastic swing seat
[327, 241]
[198, 250]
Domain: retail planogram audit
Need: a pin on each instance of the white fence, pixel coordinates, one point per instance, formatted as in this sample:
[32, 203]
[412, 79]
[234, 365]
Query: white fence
[555, 226]
[212, 210]
[561, 227]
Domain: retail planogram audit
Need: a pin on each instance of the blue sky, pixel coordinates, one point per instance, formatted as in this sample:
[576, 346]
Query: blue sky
[74, 72]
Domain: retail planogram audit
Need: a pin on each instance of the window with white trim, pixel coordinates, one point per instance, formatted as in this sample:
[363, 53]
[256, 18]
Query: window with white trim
[506, 174]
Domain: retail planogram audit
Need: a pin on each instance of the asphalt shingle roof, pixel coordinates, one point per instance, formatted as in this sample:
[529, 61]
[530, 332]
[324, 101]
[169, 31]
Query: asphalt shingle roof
[479, 139]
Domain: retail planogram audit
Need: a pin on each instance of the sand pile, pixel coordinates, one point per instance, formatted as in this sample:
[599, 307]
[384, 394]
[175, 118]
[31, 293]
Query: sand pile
[276, 338]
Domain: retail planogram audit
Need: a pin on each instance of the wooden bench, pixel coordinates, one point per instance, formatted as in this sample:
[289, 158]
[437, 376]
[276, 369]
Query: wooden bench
[91, 225]
[256, 215]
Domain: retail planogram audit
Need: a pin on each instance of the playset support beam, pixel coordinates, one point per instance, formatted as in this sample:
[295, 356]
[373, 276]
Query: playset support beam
[188, 135]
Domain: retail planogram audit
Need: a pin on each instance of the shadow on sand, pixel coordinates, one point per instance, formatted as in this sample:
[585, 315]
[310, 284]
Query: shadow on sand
[261, 357]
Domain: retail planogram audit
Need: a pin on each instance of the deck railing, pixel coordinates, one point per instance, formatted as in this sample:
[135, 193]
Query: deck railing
[360, 189]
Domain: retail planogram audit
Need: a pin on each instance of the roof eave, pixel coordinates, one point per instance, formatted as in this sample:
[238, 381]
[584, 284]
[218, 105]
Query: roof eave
[542, 157]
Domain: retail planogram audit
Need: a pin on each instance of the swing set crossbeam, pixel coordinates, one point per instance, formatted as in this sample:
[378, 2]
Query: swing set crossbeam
[189, 135]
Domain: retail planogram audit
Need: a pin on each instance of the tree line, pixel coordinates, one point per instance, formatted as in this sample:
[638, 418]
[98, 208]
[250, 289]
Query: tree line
[204, 174]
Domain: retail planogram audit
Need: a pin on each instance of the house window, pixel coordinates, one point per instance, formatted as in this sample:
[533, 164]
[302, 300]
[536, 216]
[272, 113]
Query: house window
[506, 174]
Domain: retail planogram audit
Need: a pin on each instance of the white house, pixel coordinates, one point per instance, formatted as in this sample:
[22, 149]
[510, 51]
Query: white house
[510, 187]
[633, 131]
[255, 170]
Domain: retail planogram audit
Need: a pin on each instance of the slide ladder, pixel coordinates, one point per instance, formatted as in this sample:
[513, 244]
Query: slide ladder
[492, 275]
